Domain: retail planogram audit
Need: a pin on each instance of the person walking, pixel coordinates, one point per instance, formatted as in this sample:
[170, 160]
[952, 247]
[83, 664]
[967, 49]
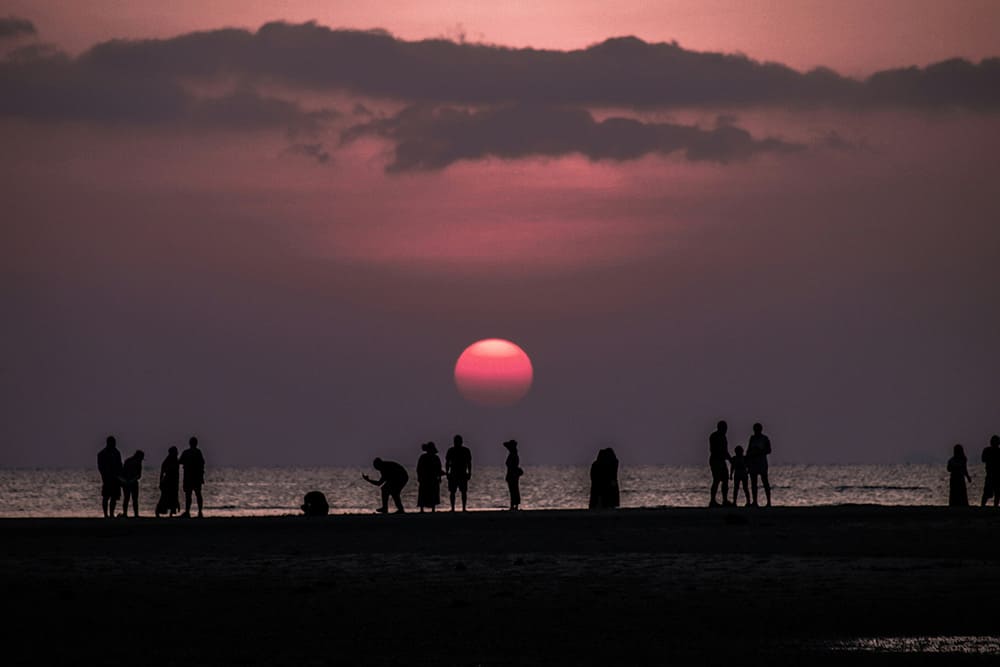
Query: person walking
[458, 468]
[513, 476]
[758, 448]
[109, 465]
[958, 469]
[193, 463]
[392, 478]
[991, 486]
[429, 473]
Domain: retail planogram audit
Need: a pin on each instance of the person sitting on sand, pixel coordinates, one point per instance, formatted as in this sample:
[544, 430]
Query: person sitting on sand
[392, 478]
[109, 464]
[758, 448]
[739, 475]
[957, 466]
[131, 472]
[170, 477]
[991, 457]
[458, 468]
[429, 473]
[604, 491]
[718, 455]
[193, 463]
[513, 476]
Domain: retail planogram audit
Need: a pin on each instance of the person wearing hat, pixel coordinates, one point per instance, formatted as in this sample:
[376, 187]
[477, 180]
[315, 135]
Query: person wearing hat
[429, 472]
[514, 473]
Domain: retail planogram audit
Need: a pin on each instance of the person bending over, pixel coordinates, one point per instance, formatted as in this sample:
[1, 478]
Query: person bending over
[392, 478]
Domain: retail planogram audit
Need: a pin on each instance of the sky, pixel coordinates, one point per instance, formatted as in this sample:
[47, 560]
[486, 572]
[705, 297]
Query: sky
[277, 226]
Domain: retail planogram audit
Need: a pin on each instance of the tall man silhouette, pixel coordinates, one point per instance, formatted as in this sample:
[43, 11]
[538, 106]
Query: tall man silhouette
[991, 457]
[458, 468]
[109, 464]
[718, 455]
[194, 475]
[758, 448]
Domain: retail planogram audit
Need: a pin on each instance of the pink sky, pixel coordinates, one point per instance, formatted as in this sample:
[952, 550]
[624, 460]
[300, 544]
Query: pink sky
[174, 263]
[855, 37]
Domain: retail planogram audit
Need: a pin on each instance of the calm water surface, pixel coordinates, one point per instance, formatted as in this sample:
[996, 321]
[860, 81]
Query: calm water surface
[276, 491]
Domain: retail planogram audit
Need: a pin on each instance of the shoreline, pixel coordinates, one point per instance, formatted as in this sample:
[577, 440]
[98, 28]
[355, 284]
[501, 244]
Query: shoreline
[685, 586]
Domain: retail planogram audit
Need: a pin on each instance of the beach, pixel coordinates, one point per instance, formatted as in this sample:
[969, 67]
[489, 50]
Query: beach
[644, 586]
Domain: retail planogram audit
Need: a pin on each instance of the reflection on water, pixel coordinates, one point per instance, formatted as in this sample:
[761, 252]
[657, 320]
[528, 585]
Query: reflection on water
[974, 645]
[268, 491]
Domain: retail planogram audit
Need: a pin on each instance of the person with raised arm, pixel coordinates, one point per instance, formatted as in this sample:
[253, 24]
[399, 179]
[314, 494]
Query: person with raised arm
[392, 478]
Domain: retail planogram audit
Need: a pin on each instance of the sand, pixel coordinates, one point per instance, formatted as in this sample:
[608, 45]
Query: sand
[657, 586]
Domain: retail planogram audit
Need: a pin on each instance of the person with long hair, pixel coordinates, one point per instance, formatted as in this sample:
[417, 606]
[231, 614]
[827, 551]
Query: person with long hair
[958, 495]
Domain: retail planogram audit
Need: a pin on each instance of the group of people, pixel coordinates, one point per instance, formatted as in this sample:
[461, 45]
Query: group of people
[743, 465]
[457, 469]
[958, 469]
[122, 478]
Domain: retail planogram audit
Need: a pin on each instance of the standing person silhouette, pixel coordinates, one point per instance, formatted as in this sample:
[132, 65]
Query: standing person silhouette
[429, 473]
[991, 457]
[458, 468]
[170, 477]
[739, 475]
[718, 455]
[131, 472]
[109, 464]
[392, 478]
[194, 475]
[604, 491]
[514, 473]
[957, 467]
[758, 448]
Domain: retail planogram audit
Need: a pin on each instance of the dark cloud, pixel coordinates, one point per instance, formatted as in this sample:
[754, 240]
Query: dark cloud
[621, 72]
[314, 150]
[43, 84]
[13, 26]
[427, 138]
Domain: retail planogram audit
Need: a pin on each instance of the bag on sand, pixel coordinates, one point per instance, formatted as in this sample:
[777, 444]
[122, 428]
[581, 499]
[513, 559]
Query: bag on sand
[314, 504]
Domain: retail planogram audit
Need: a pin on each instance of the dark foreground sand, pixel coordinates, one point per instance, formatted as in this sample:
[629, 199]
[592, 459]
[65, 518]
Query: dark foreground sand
[658, 586]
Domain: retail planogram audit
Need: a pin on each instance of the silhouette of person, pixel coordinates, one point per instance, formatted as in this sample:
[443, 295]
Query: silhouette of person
[314, 504]
[957, 466]
[429, 473]
[718, 455]
[991, 457]
[131, 472]
[392, 478]
[604, 480]
[109, 464]
[170, 477]
[739, 475]
[514, 472]
[193, 463]
[458, 468]
[758, 448]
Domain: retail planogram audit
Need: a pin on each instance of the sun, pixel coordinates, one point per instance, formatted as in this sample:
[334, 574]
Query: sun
[494, 373]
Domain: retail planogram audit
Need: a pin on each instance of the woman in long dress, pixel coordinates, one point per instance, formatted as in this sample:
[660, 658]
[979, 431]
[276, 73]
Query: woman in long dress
[514, 473]
[958, 496]
[429, 472]
[170, 475]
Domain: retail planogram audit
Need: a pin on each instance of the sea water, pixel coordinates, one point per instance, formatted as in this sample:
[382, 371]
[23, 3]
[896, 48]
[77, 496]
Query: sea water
[278, 491]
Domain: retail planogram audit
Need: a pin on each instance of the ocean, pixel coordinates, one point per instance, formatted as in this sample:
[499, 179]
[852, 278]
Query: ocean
[279, 491]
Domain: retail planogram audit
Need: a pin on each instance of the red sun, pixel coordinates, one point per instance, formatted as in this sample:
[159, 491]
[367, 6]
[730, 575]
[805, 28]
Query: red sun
[493, 372]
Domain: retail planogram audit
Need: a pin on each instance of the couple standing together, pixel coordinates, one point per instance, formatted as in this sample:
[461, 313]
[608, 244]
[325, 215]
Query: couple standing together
[753, 465]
